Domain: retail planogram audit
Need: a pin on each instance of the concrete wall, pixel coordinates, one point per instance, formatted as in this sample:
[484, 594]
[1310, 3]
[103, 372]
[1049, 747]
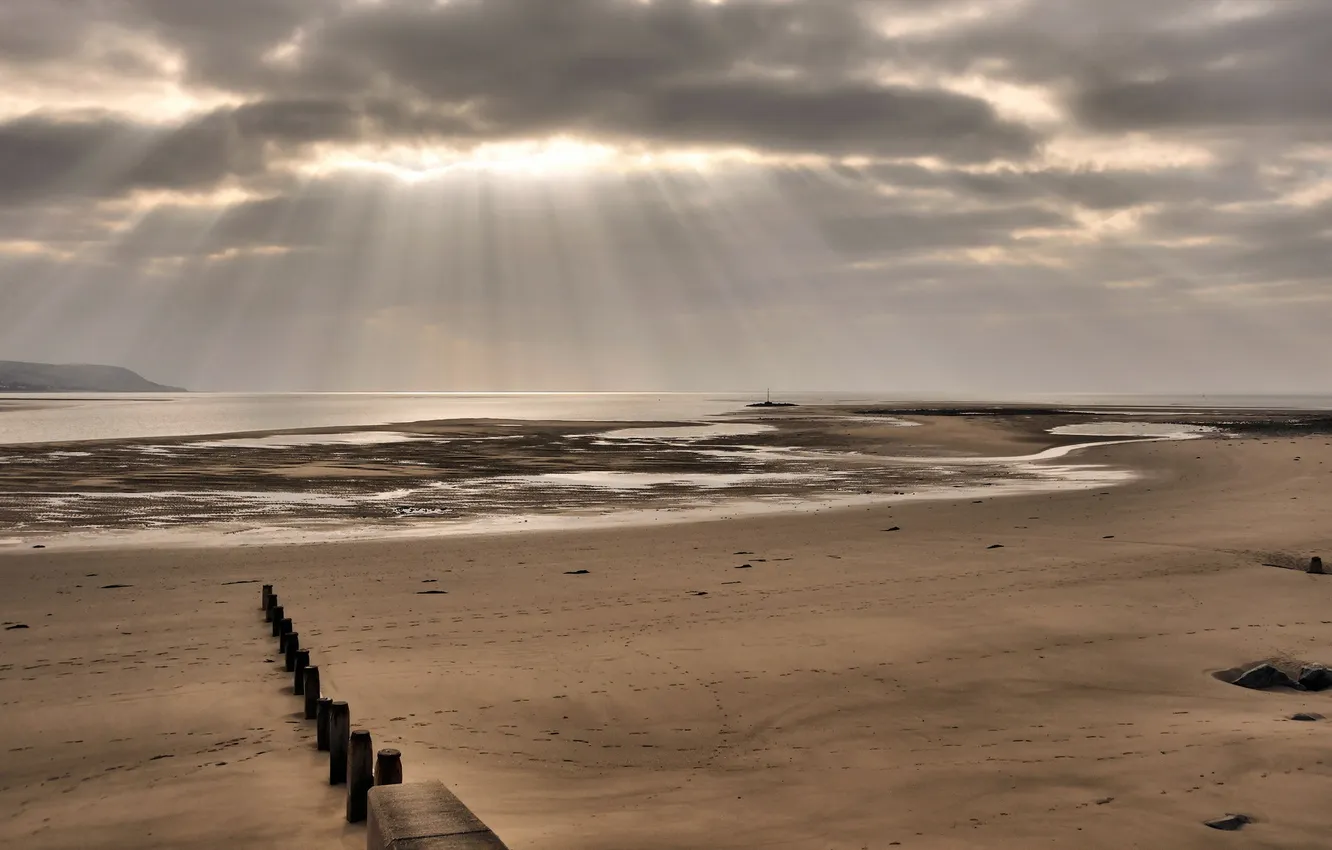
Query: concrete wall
[424, 816]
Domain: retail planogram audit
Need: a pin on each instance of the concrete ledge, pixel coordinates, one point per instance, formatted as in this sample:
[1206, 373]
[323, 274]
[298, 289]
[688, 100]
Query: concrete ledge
[424, 816]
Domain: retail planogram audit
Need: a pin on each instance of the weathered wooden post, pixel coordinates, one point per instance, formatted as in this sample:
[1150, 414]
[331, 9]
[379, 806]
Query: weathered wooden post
[278, 616]
[263, 603]
[272, 605]
[310, 690]
[321, 723]
[300, 661]
[388, 767]
[339, 733]
[284, 628]
[290, 650]
[360, 774]
[1316, 566]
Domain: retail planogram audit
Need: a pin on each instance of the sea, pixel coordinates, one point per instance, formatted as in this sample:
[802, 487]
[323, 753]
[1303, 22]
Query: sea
[56, 417]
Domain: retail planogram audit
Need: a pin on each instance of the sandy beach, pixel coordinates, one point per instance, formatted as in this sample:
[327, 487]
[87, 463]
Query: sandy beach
[851, 678]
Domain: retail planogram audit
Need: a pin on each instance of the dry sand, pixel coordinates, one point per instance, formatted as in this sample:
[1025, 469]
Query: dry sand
[854, 688]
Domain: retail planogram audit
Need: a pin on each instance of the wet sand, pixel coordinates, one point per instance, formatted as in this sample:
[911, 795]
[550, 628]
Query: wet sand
[852, 687]
[430, 478]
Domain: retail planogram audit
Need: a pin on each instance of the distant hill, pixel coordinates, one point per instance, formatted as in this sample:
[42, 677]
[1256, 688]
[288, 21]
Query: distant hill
[19, 377]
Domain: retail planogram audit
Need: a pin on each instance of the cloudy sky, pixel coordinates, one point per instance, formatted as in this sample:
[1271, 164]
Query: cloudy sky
[958, 196]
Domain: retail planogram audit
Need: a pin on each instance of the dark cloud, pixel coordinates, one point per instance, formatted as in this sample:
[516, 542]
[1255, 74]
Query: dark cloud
[51, 156]
[1157, 64]
[924, 231]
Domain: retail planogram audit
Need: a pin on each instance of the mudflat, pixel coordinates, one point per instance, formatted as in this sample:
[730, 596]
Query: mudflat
[1014, 672]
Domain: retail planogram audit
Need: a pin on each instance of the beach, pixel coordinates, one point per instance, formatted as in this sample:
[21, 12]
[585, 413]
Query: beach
[1026, 670]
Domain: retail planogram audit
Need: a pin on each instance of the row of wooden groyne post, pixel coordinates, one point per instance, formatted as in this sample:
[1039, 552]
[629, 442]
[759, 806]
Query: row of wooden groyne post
[351, 757]
[421, 816]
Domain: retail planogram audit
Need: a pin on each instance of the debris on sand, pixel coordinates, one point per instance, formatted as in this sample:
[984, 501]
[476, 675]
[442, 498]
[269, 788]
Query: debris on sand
[1258, 678]
[1315, 677]
[1278, 673]
[1230, 823]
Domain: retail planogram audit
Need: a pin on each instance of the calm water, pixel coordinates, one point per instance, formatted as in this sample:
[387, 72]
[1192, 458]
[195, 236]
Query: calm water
[61, 418]
[64, 418]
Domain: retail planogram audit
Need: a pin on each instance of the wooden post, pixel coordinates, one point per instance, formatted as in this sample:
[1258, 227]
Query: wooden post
[1316, 566]
[272, 604]
[310, 689]
[388, 767]
[360, 774]
[300, 662]
[293, 644]
[263, 603]
[321, 724]
[278, 616]
[284, 629]
[339, 733]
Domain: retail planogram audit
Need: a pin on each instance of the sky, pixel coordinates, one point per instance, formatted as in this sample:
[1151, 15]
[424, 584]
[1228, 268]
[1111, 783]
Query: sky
[975, 197]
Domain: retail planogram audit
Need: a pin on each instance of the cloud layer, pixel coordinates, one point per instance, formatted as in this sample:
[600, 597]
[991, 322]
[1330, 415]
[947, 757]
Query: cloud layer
[948, 195]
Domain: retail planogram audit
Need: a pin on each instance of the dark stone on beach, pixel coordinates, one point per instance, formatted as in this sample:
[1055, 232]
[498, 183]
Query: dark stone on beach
[1261, 677]
[1316, 566]
[429, 581]
[115, 586]
[745, 567]
[894, 528]
[578, 573]
[995, 546]
[16, 626]
[1306, 717]
[698, 593]
[1108, 537]
[1229, 823]
[742, 553]
[431, 592]
[1315, 678]
[39, 546]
